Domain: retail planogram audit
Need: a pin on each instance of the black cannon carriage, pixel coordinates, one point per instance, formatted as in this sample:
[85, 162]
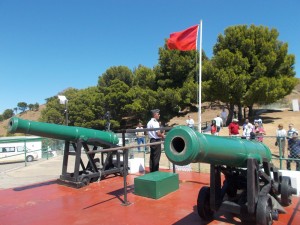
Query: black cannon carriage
[252, 187]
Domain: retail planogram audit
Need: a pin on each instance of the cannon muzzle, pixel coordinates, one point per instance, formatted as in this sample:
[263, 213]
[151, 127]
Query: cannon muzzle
[67, 133]
[183, 145]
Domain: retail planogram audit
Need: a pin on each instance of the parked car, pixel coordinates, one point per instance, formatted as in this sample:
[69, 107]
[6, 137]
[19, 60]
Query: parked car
[15, 154]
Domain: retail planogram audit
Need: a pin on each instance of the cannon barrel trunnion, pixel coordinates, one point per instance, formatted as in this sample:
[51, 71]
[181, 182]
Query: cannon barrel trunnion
[253, 188]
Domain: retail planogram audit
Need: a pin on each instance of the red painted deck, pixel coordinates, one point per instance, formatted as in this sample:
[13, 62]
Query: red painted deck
[101, 203]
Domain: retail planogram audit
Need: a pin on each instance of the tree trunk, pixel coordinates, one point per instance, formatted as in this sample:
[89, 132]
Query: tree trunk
[240, 112]
[230, 114]
[250, 113]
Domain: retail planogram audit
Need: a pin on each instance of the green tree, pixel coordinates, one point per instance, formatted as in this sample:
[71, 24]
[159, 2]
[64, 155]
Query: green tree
[144, 77]
[36, 106]
[115, 98]
[86, 109]
[53, 113]
[8, 113]
[22, 106]
[175, 67]
[250, 66]
[31, 107]
[140, 102]
[121, 73]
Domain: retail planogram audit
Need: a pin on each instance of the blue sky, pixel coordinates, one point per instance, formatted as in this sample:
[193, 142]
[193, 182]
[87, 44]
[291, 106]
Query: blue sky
[47, 46]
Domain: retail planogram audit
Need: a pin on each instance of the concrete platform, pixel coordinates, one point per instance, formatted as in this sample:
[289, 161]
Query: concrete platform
[48, 203]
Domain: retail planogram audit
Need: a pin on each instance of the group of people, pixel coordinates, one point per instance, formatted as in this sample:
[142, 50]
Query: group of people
[255, 131]
[293, 144]
[249, 131]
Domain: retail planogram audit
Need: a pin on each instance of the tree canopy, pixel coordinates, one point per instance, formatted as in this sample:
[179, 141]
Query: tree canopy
[249, 66]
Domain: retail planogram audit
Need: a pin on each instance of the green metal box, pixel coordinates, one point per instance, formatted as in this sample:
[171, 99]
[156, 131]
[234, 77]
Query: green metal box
[156, 185]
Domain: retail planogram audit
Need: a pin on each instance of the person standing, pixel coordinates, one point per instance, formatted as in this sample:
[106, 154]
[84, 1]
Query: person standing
[280, 139]
[213, 129]
[247, 131]
[290, 131]
[219, 123]
[155, 136]
[190, 122]
[224, 116]
[245, 125]
[233, 128]
[294, 148]
[259, 132]
[140, 136]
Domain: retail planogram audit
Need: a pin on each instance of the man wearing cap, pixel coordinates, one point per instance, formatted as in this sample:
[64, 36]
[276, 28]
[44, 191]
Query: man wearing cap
[294, 148]
[233, 128]
[155, 136]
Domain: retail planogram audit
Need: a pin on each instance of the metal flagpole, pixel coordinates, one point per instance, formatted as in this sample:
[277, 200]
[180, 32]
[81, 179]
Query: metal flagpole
[200, 78]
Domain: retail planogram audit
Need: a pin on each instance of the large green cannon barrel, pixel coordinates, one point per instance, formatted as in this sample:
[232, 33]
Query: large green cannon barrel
[183, 145]
[67, 133]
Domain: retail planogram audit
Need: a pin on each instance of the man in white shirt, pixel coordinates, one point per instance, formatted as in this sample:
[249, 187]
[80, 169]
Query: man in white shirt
[155, 136]
[224, 116]
[190, 122]
[219, 123]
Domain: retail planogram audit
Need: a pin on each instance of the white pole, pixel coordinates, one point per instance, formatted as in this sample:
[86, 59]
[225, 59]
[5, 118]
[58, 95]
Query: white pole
[200, 77]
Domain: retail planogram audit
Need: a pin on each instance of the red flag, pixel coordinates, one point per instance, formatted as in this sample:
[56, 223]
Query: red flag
[184, 40]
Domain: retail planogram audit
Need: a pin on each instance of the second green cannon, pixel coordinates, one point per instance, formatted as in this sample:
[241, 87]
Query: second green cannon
[250, 186]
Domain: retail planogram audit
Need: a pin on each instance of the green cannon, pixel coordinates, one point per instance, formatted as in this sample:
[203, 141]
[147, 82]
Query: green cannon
[252, 187]
[55, 131]
[184, 146]
[78, 139]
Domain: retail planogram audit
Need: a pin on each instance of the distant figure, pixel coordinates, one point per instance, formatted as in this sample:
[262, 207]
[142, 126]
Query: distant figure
[224, 116]
[294, 148]
[213, 128]
[247, 130]
[233, 128]
[140, 136]
[219, 123]
[246, 123]
[280, 139]
[155, 136]
[259, 132]
[190, 122]
[290, 131]
[259, 121]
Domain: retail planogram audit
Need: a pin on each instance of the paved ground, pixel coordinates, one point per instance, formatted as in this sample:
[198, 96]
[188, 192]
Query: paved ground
[39, 171]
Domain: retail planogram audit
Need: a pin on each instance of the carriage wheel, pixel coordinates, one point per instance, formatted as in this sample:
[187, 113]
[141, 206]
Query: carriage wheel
[203, 204]
[264, 211]
[286, 196]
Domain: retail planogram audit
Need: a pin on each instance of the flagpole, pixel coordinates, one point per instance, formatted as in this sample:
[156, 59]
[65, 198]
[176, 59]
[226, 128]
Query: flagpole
[200, 78]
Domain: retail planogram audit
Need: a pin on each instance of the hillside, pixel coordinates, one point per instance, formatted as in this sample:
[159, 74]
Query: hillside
[28, 115]
[271, 118]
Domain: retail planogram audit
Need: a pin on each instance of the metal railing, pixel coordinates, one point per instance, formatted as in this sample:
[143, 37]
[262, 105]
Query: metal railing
[282, 157]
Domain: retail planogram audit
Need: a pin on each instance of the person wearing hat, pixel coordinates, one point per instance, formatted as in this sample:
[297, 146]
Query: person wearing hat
[233, 128]
[280, 139]
[155, 136]
[294, 148]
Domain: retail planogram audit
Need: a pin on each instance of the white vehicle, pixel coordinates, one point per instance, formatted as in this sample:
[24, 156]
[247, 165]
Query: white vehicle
[13, 149]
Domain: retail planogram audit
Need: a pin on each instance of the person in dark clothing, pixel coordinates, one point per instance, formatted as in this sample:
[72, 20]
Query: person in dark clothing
[294, 148]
